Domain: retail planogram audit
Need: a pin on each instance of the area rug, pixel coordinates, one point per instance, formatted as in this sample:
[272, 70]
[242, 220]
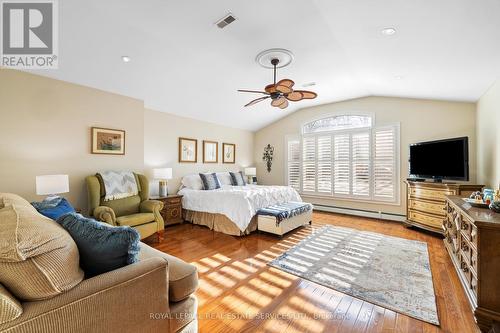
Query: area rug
[387, 271]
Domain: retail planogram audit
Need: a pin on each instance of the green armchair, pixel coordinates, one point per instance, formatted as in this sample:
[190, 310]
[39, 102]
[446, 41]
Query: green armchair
[137, 211]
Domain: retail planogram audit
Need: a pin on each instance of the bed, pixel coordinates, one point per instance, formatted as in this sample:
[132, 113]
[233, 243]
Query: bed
[230, 209]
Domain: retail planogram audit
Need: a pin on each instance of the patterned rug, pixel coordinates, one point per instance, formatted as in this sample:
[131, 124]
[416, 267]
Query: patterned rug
[387, 271]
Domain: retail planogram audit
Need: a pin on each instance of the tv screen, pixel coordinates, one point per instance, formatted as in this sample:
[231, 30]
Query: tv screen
[443, 159]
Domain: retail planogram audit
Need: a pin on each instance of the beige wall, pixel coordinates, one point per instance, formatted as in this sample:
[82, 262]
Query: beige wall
[45, 129]
[419, 120]
[161, 133]
[488, 137]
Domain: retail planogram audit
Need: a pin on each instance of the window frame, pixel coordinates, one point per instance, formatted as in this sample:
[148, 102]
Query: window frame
[371, 198]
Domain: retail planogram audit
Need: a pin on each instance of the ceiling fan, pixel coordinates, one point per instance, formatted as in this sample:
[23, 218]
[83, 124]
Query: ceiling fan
[280, 92]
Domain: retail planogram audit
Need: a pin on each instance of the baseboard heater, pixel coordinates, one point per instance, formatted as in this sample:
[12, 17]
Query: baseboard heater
[360, 212]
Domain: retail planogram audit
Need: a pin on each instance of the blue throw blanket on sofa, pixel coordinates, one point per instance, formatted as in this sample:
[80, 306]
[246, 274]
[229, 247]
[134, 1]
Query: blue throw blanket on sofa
[285, 210]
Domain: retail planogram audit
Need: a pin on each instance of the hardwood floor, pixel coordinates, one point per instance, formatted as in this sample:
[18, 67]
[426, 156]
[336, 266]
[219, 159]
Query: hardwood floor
[239, 293]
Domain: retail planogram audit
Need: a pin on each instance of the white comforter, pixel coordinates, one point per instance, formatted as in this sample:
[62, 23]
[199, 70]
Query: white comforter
[238, 203]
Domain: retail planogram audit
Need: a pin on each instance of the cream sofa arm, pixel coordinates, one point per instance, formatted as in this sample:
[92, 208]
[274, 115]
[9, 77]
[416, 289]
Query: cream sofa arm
[133, 298]
[105, 214]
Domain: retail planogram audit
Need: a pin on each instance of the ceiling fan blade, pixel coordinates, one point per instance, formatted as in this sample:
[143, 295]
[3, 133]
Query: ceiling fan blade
[307, 94]
[285, 82]
[283, 89]
[257, 100]
[253, 91]
[294, 96]
[278, 101]
[284, 105]
[270, 88]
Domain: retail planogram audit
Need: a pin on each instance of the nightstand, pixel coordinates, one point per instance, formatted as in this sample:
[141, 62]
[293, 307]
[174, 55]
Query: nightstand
[172, 209]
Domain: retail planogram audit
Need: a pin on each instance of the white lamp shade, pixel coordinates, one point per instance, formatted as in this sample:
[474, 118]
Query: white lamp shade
[251, 171]
[162, 173]
[52, 184]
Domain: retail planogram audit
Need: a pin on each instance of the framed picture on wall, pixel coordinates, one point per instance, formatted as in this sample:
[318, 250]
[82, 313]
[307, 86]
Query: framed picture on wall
[188, 150]
[107, 141]
[210, 151]
[228, 153]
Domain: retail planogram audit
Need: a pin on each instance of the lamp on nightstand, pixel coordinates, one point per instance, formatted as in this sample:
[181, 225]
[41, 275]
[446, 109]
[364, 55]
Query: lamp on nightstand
[51, 185]
[162, 174]
[250, 173]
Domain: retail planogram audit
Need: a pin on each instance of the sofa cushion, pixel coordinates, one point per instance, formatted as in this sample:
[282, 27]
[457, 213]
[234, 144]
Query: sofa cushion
[9, 305]
[182, 313]
[182, 277]
[102, 247]
[135, 219]
[37, 249]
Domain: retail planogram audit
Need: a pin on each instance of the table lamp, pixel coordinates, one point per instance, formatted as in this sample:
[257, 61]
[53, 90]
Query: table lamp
[51, 185]
[250, 172]
[162, 174]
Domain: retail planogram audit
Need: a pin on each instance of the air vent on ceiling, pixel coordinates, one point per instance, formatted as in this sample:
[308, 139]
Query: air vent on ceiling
[225, 21]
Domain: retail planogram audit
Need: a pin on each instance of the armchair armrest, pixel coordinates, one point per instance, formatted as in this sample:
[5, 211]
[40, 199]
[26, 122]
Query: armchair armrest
[155, 207]
[105, 214]
[125, 299]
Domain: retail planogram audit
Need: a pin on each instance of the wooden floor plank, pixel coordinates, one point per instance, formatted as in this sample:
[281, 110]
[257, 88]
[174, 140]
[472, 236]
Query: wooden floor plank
[239, 293]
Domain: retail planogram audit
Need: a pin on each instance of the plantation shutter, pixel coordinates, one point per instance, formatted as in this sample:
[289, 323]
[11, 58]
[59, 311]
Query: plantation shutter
[361, 164]
[293, 164]
[384, 160]
[341, 164]
[309, 164]
[324, 170]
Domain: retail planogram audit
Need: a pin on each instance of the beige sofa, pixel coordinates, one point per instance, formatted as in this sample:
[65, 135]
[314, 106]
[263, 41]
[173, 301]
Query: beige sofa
[153, 295]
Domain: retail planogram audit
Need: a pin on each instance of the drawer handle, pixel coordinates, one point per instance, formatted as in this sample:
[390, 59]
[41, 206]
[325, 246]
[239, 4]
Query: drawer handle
[464, 267]
[465, 226]
[465, 248]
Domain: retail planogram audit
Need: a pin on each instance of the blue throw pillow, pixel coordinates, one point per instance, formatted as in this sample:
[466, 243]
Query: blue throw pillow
[54, 208]
[210, 181]
[237, 179]
[102, 247]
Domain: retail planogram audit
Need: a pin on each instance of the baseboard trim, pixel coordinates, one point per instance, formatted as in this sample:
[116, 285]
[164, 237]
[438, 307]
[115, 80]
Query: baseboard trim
[361, 212]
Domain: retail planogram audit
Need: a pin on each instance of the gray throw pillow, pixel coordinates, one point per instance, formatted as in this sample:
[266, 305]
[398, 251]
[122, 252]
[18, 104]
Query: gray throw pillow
[237, 178]
[210, 181]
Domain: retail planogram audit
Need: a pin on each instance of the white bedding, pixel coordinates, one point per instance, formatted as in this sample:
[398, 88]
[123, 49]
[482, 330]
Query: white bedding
[238, 203]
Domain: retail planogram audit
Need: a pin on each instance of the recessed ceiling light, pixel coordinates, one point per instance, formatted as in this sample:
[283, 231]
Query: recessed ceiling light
[309, 84]
[388, 31]
[126, 58]
[398, 77]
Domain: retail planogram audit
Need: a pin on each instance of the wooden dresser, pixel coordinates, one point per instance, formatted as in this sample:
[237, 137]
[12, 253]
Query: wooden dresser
[472, 238]
[425, 202]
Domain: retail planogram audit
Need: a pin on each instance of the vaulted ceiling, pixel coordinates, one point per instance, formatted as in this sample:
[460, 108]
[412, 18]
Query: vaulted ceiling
[182, 63]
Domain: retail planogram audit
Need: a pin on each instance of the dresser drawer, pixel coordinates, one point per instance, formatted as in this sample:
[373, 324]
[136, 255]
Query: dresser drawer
[173, 212]
[430, 220]
[173, 201]
[427, 206]
[433, 194]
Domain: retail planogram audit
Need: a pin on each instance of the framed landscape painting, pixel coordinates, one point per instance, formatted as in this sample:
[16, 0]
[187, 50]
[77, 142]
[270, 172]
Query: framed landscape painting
[228, 153]
[107, 141]
[188, 150]
[210, 151]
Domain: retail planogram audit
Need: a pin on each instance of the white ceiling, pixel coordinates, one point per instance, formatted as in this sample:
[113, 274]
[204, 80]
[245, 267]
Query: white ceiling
[183, 64]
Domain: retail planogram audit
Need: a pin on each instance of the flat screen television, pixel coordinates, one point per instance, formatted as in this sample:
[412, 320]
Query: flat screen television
[441, 159]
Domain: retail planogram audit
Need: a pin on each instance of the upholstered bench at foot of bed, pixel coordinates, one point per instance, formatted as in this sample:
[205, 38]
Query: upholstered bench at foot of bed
[283, 218]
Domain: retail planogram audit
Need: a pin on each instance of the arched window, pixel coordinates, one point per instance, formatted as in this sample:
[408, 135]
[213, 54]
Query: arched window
[345, 156]
[337, 123]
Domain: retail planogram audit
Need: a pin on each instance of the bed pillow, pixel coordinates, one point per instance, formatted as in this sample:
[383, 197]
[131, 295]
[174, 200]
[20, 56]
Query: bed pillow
[210, 181]
[224, 178]
[102, 247]
[192, 182]
[237, 178]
